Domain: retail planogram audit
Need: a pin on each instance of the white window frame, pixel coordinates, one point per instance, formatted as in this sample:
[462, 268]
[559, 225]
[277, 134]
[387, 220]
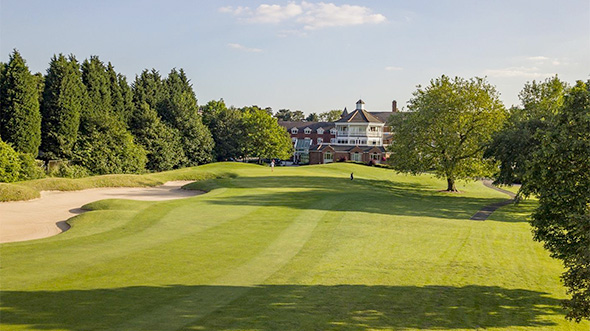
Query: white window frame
[320, 140]
[320, 131]
[307, 131]
[294, 130]
[333, 131]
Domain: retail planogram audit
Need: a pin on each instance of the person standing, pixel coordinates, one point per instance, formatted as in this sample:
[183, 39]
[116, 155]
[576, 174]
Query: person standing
[272, 165]
[351, 176]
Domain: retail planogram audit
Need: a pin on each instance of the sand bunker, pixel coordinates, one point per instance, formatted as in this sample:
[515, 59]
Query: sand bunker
[46, 216]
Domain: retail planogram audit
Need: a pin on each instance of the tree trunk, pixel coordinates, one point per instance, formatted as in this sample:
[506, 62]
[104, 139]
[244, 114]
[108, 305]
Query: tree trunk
[451, 185]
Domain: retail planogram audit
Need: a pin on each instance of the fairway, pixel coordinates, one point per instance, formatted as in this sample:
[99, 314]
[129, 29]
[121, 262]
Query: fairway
[300, 248]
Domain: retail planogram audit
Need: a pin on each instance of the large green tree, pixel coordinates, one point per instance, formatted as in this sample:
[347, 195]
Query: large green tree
[63, 99]
[559, 175]
[104, 144]
[179, 110]
[264, 137]
[227, 128]
[512, 146]
[449, 125]
[20, 118]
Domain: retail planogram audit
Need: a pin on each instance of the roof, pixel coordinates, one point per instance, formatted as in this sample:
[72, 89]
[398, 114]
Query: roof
[344, 113]
[360, 101]
[302, 125]
[360, 116]
[344, 148]
[383, 116]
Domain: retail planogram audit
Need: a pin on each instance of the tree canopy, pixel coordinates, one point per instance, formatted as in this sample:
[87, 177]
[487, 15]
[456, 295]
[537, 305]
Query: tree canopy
[63, 99]
[447, 129]
[512, 146]
[265, 138]
[20, 118]
[227, 128]
[558, 173]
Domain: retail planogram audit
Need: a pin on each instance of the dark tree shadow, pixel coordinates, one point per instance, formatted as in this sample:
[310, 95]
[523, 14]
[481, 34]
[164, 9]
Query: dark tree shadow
[282, 307]
[359, 195]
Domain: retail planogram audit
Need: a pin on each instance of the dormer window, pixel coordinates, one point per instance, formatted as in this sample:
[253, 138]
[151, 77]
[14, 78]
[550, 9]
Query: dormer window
[333, 131]
[294, 130]
[307, 130]
[320, 131]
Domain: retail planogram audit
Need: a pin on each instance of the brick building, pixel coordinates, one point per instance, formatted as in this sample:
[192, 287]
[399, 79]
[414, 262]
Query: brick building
[359, 136]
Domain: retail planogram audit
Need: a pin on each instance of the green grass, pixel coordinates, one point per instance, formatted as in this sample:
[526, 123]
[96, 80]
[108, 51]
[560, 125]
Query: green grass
[296, 249]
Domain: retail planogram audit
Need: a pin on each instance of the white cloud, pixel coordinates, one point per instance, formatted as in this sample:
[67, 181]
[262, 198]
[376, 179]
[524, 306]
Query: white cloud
[527, 72]
[394, 68]
[537, 58]
[244, 48]
[310, 15]
[321, 15]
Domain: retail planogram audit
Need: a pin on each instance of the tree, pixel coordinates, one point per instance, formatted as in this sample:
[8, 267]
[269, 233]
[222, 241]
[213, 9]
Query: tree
[313, 117]
[512, 146]
[61, 107]
[297, 116]
[559, 175]
[227, 128]
[161, 142]
[20, 119]
[331, 116]
[16, 166]
[450, 123]
[265, 138]
[179, 110]
[284, 115]
[104, 144]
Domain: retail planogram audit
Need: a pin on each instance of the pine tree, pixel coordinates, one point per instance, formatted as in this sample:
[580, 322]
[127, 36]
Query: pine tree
[179, 110]
[20, 119]
[61, 107]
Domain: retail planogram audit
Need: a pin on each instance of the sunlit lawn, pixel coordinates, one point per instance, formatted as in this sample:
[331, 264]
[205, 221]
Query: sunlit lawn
[299, 248]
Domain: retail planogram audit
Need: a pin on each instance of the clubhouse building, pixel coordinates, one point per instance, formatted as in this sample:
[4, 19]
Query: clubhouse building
[360, 136]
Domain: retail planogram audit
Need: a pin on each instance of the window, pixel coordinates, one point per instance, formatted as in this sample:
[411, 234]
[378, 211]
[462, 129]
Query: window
[356, 157]
[375, 156]
[293, 139]
[307, 130]
[320, 140]
[328, 157]
[332, 140]
[333, 131]
[320, 131]
[294, 130]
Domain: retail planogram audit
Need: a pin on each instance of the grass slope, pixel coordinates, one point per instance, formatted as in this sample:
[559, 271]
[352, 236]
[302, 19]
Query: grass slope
[296, 249]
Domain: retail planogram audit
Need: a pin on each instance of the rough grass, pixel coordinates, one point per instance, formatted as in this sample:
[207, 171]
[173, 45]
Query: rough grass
[296, 249]
[27, 190]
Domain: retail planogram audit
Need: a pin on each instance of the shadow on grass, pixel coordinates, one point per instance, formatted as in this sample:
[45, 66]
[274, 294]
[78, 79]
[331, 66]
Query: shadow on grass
[360, 195]
[281, 307]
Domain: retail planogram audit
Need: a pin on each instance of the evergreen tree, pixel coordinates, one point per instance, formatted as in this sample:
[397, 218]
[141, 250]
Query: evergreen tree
[104, 144]
[148, 88]
[20, 119]
[179, 110]
[61, 107]
[161, 142]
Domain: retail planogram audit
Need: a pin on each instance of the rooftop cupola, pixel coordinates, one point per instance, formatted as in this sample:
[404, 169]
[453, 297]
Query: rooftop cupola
[360, 105]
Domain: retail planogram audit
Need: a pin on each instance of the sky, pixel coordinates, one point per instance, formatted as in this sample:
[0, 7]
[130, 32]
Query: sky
[312, 56]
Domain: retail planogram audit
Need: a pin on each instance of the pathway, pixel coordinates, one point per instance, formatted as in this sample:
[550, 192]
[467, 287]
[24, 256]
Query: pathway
[486, 211]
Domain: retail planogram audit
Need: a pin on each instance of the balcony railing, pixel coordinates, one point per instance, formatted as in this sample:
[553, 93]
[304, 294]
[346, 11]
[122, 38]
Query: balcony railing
[359, 134]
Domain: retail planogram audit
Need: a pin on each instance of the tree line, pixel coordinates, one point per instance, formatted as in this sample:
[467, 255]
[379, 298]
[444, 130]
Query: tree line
[458, 129]
[89, 114]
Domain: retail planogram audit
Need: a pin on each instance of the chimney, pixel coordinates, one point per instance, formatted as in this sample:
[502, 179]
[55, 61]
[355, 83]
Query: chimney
[394, 106]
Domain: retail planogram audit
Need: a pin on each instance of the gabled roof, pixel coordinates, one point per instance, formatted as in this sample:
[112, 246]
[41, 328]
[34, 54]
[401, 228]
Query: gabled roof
[344, 113]
[359, 116]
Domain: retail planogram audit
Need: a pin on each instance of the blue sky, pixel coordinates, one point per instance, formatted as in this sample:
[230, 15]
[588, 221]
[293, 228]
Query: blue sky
[309, 55]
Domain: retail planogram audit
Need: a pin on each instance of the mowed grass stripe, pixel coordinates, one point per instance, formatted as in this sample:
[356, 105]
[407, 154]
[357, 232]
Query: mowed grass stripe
[202, 301]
